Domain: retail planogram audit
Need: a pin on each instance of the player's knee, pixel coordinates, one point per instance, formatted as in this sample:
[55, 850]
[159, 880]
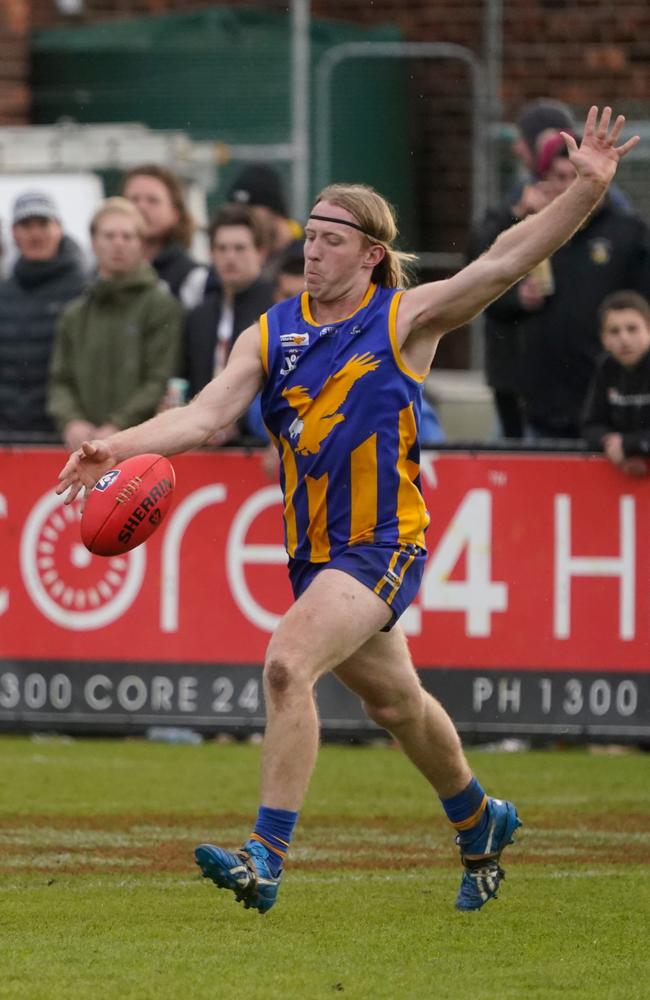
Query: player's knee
[396, 713]
[277, 675]
[284, 679]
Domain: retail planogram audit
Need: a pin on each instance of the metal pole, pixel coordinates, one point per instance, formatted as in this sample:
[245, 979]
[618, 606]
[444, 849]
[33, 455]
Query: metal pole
[300, 65]
[493, 63]
[402, 50]
[412, 50]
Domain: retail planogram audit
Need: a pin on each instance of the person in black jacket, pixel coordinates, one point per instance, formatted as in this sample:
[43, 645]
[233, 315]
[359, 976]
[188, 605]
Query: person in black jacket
[234, 301]
[557, 305]
[535, 120]
[46, 276]
[616, 417]
[538, 122]
[158, 195]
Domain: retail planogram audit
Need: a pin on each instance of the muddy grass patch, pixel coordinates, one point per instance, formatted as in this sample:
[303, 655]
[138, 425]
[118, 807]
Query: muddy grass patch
[66, 845]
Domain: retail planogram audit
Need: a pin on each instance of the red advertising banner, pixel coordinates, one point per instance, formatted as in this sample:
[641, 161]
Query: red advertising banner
[535, 562]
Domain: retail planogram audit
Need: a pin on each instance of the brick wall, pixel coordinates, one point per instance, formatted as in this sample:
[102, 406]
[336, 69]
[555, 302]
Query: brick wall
[14, 63]
[577, 50]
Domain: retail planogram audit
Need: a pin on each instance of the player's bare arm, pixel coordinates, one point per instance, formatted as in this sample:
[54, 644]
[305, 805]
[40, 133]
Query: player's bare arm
[182, 428]
[430, 310]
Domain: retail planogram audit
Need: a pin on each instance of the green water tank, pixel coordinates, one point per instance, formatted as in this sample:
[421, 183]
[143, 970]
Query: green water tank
[224, 74]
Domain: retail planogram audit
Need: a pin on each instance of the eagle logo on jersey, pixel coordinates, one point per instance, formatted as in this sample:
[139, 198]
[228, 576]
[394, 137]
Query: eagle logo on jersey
[318, 417]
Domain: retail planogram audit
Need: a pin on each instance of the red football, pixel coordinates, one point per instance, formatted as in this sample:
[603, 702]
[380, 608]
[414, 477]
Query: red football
[127, 504]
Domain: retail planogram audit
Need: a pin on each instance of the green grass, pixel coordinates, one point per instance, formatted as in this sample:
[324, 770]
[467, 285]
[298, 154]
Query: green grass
[99, 895]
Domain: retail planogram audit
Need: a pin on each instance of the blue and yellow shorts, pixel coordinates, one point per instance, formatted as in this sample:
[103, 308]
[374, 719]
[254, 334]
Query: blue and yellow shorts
[393, 574]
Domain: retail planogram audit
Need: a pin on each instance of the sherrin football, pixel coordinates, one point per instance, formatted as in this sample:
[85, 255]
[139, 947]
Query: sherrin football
[127, 504]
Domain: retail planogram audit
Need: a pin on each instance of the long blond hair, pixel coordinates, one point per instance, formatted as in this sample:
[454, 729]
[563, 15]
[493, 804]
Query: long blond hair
[377, 221]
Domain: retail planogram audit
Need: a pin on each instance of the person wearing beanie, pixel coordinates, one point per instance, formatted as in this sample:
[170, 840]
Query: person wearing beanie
[260, 187]
[47, 274]
[535, 119]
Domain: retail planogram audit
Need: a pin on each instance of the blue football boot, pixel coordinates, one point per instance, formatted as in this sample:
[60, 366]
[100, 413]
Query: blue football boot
[245, 872]
[480, 857]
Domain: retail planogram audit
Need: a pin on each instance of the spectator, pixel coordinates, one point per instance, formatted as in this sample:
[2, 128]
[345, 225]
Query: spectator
[502, 335]
[290, 277]
[260, 187]
[236, 300]
[558, 317]
[118, 343]
[46, 275]
[616, 418]
[535, 122]
[158, 195]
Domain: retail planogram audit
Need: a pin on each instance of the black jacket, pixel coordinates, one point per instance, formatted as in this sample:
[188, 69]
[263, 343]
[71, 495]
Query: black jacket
[619, 402]
[201, 328]
[172, 265]
[526, 352]
[181, 273]
[559, 343]
[502, 336]
[30, 303]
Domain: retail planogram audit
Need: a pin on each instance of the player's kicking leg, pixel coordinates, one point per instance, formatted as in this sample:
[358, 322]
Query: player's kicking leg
[382, 674]
[333, 618]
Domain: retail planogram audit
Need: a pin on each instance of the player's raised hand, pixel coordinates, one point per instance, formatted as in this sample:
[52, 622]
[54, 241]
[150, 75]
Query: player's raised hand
[598, 156]
[84, 467]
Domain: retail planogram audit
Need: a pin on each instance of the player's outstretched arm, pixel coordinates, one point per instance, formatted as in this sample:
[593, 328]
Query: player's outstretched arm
[443, 305]
[182, 428]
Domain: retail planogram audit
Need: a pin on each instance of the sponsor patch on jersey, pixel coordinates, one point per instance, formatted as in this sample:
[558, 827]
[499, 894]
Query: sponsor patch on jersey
[294, 339]
[289, 363]
[327, 330]
[356, 330]
[106, 480]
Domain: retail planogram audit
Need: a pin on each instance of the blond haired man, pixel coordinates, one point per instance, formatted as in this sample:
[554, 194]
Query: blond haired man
[340, 368]
[118, 343]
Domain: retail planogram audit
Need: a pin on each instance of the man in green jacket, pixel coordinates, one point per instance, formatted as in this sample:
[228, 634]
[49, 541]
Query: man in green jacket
[119, 342]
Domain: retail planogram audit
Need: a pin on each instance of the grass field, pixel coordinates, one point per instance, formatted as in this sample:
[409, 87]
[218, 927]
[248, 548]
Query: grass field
[99, 895]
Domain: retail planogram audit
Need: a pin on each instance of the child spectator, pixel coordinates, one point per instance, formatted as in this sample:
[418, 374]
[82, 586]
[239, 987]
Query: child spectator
[616, 418]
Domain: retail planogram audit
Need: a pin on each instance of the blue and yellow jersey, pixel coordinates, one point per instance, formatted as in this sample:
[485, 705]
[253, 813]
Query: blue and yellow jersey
[344, 411]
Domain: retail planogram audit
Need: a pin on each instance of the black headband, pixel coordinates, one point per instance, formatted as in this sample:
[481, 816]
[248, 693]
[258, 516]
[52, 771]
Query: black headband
[344, 222]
